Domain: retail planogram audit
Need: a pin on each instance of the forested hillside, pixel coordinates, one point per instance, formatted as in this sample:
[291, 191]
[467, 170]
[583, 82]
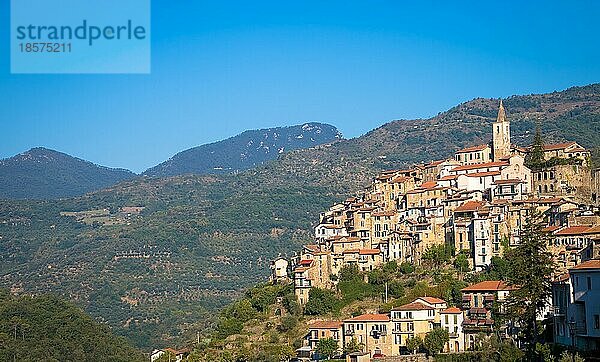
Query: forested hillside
[41, 173]
[47, 328]
[153, 272]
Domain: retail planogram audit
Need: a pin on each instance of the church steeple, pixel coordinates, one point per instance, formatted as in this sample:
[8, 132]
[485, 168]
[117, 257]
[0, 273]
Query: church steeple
[501, 113]
[501, 135]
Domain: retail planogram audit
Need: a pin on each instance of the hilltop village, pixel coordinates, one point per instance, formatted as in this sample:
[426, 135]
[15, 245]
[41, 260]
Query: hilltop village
[474, 203]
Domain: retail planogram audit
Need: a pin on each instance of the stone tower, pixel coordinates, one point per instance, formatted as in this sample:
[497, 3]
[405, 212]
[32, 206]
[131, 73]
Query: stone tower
[501, 135]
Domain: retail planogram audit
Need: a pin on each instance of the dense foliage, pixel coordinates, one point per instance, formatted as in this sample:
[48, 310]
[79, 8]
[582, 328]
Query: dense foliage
[46, 174]
[531, 266]
[47, 328]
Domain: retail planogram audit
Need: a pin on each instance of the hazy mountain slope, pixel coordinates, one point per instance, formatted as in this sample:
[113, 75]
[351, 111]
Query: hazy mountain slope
[41, 173]
[245, 150]
[202, 238]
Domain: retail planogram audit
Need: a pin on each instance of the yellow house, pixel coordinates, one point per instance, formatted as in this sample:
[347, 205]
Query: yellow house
[451, 320]
[474, 155]
[372, 331]
[411, 320]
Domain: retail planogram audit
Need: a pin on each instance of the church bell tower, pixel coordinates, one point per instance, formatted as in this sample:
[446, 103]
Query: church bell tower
[501, 135]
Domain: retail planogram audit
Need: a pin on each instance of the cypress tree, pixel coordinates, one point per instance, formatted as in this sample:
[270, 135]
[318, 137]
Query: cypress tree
[531, 266]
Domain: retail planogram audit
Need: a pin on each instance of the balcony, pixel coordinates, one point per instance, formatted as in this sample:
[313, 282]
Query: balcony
[302, 283]
[558, 311]
[349, 332]
[377, 333]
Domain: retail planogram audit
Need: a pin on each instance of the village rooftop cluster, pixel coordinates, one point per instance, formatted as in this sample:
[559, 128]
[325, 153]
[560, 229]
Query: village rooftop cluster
[476, 203]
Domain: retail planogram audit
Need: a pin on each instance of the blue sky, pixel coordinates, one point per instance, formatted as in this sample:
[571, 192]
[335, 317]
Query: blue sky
[221, 67]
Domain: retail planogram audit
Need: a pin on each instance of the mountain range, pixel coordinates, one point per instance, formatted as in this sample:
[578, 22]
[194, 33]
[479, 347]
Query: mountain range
[41, 173]
[155, 257]
[245, 150]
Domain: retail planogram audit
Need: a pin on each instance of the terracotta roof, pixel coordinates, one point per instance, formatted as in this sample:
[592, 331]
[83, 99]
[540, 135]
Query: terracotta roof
[400, 179]
[508, 181]
[429, 185]
[312, 247]
[432, 300]
[325, 325]
[558, 146]
[480, 165]
[435, 163]
[593, 230]
[551, 229]
[482, 174]
[473, 149]
[488, 285]
[369, 251]
[331, 226]
[369, 318]
[413, 306]
[448, 177]
[573, 230]
[451, 310]
[469, 206]
[306, 262]
[590, 264]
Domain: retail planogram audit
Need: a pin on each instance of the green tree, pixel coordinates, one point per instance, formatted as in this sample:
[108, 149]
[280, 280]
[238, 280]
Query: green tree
[228, 327]
[495, 349]
[327, 347]
[499, 269]
[461, 263]
[288, 323]
[567, 356]
[531, 266]
[535, 159]
[320, 301]
[349, 272]
[438, 254]
[406, 268]
[414, 344]
[353, 346]
[435, 340]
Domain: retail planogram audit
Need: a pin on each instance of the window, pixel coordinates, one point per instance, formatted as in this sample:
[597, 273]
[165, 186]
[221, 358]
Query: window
[596, 321]
[446, 319]
[589, 283]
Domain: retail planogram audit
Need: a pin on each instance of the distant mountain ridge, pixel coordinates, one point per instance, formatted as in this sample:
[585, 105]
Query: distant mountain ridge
[246, 150]
[41, 173]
